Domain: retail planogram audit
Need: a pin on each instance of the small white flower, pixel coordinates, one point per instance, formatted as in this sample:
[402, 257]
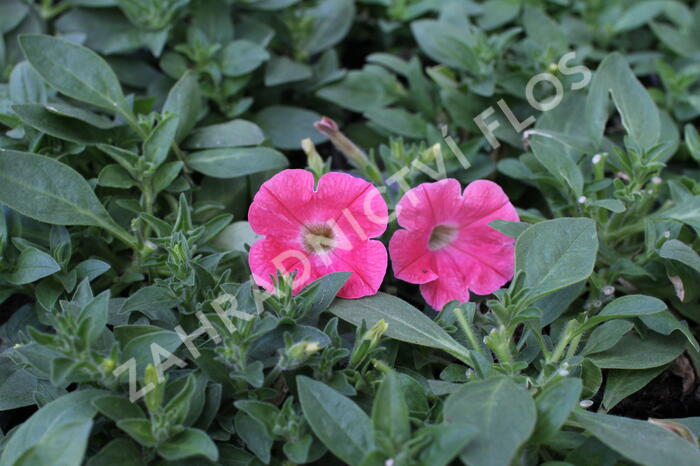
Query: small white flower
[585, 404]
[563, 372]
[667, 234]
[582, 200]
[608, 290]
[656, 180]
[596, 159]
[389, 462]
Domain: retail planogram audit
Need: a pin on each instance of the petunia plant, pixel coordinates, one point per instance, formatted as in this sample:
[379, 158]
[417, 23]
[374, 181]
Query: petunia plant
[364, 232]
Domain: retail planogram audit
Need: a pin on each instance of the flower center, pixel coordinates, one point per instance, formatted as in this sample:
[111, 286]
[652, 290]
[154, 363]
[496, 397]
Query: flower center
[441, 236]
[318, 238]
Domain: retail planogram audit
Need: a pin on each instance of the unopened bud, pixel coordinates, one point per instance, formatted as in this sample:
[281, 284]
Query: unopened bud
[431, 153]
[107, 365]
[154, 397]
[676, 428]
[374, 334]
[370, 339]
[313, 159]
[300, 352]
[341, 142]
[585, 404]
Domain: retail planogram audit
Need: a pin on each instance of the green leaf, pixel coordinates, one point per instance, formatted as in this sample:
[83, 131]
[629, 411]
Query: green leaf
[153, 301]
[255, 436]
[49, 191]
[619, 384]
[357, 91]
[117, 408]
[447, 441]
[503, 413]
[12, 13]
[26, 85]
[136, 341]
[692, 141]
[338, 422]
[115, 176]
[59, 447]
[165, 175]
[681, 252]
[390, 412]
[445, 43]
[241, 57]
[686, 211]
[188, 443]
[512, 229]
[554, 404]
[139, 430]
[666, 323]
[32, 265]
[96, 312]
[184, 100]
[631, 352]
[121, 451]
[640, 117]
[50, 420]
[633, 305]
[406, 323]
[556, 253]
[333, 19]
[70, 129]
[605, 336]
[157, 145]
[282, 70]
[287, 126]
[639, 441]
[638, 14]
[76, 71]
[236, 161]
[234, 133]
[399, 121]
[613, 205]
[548, 152]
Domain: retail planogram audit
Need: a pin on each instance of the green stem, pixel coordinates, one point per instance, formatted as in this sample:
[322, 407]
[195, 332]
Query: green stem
[468, 330]
[566, 335]
[122, 234]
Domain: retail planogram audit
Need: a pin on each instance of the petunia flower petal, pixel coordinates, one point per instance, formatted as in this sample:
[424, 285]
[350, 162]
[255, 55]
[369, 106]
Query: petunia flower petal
[355, 205]
[283, 204]
[484, 201]
[410, 256]
[367, 261]
[429, 204]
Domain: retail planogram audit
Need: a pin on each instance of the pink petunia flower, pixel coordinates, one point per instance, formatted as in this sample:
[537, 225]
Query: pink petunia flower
[316, 232]
[447, 246]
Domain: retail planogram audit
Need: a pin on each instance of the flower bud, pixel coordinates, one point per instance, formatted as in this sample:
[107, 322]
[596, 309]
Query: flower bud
[676, 428]
[313, 159]
[370, 340]
[299, 353]
[154, 397]
[107, 365]
[341, 142]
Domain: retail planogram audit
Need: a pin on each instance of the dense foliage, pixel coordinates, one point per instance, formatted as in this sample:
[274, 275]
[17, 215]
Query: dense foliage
[135, 134]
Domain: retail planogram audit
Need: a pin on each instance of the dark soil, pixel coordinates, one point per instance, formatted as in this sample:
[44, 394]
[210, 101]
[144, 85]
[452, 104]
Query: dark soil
[665, 397]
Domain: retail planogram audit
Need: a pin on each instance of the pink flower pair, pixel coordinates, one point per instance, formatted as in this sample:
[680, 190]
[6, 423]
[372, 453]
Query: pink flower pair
[446, 245]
